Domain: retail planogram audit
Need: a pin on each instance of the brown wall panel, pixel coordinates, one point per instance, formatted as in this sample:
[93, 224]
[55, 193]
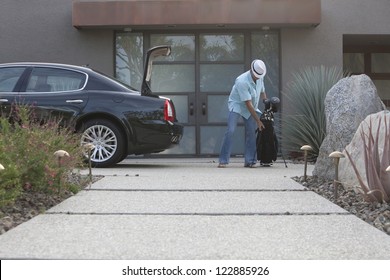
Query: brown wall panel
[145, 13]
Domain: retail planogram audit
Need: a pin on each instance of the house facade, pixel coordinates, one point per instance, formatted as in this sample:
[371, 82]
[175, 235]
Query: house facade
[213, 41]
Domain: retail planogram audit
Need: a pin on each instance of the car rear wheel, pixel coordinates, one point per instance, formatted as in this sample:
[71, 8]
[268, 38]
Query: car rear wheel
[107, 139]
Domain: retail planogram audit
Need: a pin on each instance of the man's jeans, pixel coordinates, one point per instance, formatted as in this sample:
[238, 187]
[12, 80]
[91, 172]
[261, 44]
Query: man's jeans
[250, 139]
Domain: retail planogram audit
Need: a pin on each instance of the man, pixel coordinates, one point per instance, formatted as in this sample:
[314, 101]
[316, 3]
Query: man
[243, 102]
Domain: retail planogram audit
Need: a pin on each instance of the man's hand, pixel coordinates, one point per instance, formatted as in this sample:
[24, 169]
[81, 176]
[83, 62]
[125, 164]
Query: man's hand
[252, 110]
[260, 125]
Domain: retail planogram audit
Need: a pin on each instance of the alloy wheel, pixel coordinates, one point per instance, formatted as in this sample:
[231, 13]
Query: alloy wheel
[104, 140]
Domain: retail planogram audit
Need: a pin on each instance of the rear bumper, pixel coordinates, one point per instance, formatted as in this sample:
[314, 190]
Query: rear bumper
[157, 138]
[176, 133]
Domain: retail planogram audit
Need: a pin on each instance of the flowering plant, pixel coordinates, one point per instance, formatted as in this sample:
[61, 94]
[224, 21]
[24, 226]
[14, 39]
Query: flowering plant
[27, 144]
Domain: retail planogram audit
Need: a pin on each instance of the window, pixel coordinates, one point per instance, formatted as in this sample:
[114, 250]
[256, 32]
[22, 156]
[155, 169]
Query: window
[380, 62]
[221, 61]
[54, 79]
[370, 55]
[129, 59]
[265, 46]
[9, 77]
[354, 62]
[176, 72]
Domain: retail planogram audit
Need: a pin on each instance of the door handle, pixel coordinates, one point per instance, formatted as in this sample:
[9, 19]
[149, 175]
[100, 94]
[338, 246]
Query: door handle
[77, 101]
[203, 108]
[191, 109]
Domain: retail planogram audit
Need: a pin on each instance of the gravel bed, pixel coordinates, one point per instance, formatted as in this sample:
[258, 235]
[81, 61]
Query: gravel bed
[30, 204]
[375, 213]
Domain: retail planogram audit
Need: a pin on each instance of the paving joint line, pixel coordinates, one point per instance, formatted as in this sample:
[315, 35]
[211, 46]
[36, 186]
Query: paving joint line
[202, 214]
[198, 190]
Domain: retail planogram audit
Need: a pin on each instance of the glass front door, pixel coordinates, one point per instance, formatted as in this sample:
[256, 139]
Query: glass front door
[198, 77]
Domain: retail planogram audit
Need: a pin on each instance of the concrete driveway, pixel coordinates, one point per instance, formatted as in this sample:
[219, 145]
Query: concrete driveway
[181, 209]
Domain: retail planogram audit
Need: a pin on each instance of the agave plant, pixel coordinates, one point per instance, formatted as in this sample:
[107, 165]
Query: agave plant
[305, 94]
[378, 179]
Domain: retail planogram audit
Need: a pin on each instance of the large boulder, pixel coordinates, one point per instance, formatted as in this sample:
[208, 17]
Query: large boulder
[347, 104]
[376, 126]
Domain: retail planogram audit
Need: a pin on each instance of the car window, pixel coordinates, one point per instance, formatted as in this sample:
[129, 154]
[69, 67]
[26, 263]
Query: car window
[44, 79]
[110, 83]
[9, 76]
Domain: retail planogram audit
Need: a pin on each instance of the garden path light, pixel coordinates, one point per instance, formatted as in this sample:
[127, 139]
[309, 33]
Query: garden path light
[60, 154]
[305, 149]
[336, 155]
[89, 147]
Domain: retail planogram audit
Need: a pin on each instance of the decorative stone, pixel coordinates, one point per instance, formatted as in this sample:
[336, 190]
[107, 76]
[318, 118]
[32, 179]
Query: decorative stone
[356, 149]
[347, 104]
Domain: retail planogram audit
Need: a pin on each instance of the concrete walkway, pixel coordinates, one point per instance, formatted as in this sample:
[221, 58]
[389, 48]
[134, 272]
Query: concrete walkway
[181, 209]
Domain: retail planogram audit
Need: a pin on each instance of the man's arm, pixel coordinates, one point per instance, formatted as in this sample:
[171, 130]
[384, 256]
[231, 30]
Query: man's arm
[252, 110]
[263, 96]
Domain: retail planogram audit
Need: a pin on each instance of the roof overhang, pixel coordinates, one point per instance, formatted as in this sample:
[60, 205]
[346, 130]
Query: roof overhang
[138, 14]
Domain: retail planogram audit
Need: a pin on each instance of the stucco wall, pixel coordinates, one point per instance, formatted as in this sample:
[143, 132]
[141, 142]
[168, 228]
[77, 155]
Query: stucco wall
[41, 30]
[323, 45]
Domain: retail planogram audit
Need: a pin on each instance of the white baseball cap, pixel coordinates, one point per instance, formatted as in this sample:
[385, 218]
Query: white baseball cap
[258, 68]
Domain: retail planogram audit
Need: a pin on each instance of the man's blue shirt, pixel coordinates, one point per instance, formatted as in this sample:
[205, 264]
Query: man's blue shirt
[245, 89]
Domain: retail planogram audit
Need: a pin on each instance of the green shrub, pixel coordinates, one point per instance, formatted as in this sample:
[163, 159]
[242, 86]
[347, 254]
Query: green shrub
[27, 147]
[10, 186]
[305, 122]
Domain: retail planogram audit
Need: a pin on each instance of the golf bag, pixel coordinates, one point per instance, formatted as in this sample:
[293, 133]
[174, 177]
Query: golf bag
[266, 140]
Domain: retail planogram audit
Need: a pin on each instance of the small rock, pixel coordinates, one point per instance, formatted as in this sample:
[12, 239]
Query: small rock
[6, 223]
[386, 228]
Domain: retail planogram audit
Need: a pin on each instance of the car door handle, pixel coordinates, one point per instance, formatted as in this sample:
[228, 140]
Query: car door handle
[3, 100]
[77, 101]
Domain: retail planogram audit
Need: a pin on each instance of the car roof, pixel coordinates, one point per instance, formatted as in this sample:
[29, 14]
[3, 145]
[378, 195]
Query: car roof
[46, 64]
[85, 69]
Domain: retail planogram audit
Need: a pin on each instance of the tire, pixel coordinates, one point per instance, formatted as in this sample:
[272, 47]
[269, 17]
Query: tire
[108, 140]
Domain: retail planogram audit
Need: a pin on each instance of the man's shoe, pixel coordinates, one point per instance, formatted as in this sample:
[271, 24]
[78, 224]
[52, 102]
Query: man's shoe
[222, 165]
[250, 165]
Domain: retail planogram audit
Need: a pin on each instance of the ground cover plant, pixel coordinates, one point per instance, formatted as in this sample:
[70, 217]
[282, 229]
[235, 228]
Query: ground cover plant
[27, 148]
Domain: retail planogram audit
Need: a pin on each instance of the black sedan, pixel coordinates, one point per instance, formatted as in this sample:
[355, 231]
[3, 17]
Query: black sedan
[116, 119]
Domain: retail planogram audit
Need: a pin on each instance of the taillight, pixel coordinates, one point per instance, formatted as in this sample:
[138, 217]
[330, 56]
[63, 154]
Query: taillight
[169, 111]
